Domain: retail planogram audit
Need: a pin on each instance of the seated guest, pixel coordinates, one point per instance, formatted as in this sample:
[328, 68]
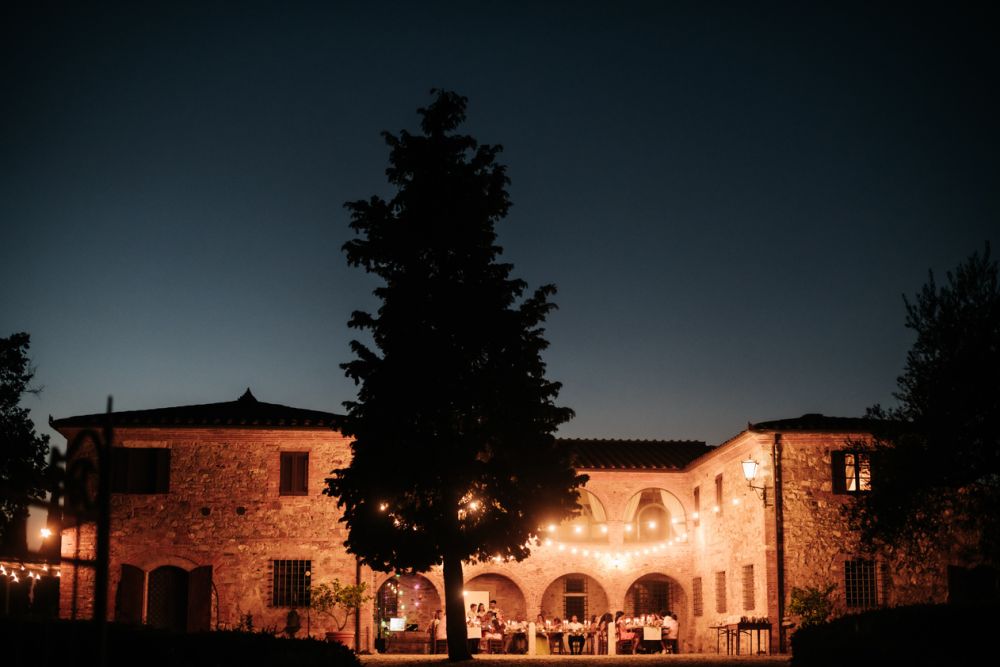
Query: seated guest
[575, 629]
[670, 629]
[541, 638]
[624, 634]
[491, 630]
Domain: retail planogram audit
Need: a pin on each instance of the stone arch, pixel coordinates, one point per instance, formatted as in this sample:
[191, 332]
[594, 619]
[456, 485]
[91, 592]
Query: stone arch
[413, 597]
[642, 593]
[578, 591]
[503, 588]
[654, 514]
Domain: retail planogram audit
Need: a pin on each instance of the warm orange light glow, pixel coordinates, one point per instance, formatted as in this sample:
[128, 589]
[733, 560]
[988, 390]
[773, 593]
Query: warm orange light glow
[628, 528]
[46, 533]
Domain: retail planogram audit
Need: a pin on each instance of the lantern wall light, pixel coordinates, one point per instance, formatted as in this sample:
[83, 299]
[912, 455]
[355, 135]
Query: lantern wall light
[750, 468]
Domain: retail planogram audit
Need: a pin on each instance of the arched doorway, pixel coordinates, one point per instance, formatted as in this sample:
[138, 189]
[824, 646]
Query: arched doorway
[654, 593]
[508, 595]
[576, 593]
[409, 598]
[167, 601]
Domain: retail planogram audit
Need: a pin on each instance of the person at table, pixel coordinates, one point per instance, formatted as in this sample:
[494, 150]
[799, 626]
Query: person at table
[575, 629]
[492, 629]
[496, 610]
[624, 634]
[541, 636]
[514, 629]
[603, 624]
[671, 631]
[472, 618]
[557, 627]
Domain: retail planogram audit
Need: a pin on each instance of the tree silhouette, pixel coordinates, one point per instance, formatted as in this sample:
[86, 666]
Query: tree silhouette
[936, 472]
[454, 456]
[22, 451]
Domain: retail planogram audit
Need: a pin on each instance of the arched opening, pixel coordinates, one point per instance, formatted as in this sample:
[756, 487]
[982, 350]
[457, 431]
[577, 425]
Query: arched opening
[653, 594]
[576, 593]
[510, 599]
[589, 525]
[411, 599]
[167, 598]
[654, 515]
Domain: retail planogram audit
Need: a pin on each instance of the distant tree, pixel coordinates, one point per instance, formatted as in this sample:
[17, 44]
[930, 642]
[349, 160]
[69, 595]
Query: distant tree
[936, 471]
[454, 456]
[22, 451]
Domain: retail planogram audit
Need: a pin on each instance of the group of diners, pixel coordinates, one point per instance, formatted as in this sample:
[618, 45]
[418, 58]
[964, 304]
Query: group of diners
[490, 632]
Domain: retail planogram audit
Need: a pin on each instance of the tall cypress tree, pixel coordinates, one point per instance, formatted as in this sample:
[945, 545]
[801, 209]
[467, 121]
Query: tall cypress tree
[454, 456]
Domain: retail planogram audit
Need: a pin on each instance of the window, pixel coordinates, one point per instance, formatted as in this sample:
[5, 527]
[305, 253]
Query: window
[140, 470]
[720, 592]
[290, 583]
[697, 505]
[852, 471]
[748, 588]
[294, 473]
[718, 495]
[861, 588]
[697, 597]
[650, 597]
[575, 598]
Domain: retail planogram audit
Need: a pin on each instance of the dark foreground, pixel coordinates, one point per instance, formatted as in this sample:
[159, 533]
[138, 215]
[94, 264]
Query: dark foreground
[688, 660]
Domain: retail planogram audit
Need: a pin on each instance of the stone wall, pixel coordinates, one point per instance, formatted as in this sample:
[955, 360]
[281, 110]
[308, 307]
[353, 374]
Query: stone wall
[224, 510]
[818, 540]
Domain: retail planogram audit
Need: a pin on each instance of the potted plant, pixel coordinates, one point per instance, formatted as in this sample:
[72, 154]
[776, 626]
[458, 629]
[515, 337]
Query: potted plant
[339, 603]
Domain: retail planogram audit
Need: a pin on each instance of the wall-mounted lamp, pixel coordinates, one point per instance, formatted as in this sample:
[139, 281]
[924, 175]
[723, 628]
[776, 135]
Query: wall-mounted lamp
[750, 474]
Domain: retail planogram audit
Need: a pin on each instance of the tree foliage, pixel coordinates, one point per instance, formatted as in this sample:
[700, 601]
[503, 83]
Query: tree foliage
[454, 456]
[22, 451]
[936, 475]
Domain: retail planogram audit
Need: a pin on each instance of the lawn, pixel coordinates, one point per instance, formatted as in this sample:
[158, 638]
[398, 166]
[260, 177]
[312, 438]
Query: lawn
[690, 660]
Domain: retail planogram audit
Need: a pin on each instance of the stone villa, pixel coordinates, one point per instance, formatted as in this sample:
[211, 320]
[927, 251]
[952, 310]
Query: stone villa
[218, 512]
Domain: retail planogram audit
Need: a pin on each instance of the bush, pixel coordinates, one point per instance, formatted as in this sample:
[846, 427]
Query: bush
[39, 643]
[913, 635]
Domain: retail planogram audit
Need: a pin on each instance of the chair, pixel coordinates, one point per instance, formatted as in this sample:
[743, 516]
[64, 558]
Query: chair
[440, 646]
[494, 646]
[555, 643]
[602, 643]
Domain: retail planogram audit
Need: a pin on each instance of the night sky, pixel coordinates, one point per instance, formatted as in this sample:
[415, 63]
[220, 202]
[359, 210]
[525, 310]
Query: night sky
[730, 197]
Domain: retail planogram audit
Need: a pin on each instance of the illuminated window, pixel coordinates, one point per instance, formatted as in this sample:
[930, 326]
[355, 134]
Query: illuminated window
[852, 471]
[294, 473]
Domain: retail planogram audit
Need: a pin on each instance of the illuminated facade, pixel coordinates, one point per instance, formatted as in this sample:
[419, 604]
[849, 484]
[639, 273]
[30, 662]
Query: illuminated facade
[218, 517]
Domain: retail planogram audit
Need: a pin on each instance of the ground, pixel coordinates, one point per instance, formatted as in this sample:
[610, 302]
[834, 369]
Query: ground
[691, 660]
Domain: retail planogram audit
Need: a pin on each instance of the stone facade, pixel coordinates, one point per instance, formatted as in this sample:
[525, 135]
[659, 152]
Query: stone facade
[719, 560]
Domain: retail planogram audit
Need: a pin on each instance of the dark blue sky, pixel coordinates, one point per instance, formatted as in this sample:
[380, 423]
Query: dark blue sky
[731, 197]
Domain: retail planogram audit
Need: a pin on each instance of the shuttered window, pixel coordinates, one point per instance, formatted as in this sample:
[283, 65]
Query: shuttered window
[852, 471]
[294, 474]
[140, 470]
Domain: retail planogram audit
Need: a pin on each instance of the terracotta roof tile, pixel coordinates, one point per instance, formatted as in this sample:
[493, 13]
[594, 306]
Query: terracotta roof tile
[245, 412]
[611, 454]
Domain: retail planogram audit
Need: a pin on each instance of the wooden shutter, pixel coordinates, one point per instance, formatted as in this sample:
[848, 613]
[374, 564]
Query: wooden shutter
[162, 466]
[838, 465]
[119, 470]
[199, 612]
[128, 599]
